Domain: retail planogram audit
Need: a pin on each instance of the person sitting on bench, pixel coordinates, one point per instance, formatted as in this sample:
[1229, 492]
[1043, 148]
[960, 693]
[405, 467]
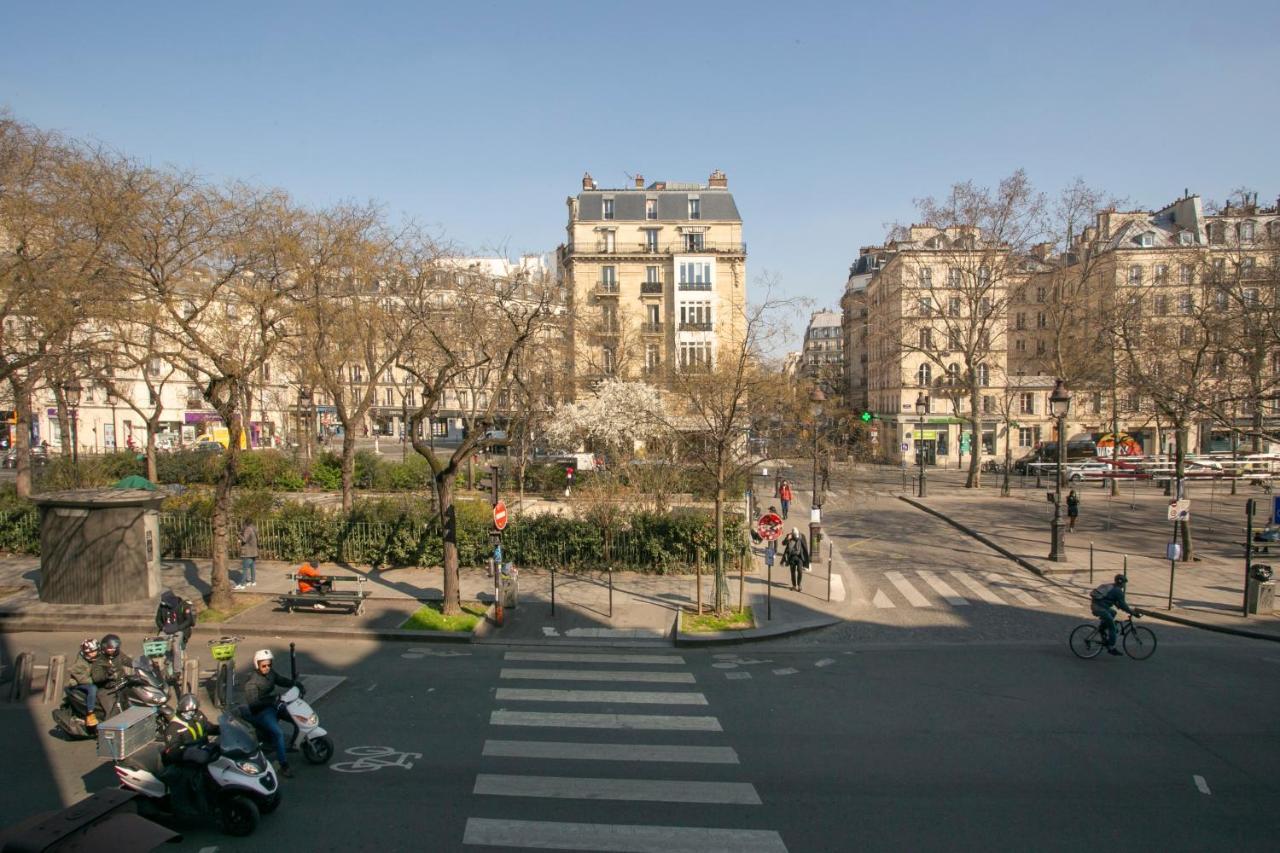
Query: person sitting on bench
[311, 569]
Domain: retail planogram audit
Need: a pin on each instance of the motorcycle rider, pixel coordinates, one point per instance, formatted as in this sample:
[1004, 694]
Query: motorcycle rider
[186, 741]
[79, 676]
[111, 664]
[260, 706]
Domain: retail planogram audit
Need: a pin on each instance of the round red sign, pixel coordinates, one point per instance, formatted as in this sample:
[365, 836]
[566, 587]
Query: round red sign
[769, 526]
[500, 515]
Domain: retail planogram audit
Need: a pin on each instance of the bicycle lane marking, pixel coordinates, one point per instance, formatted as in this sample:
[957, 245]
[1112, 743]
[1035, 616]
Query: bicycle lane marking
[1201, 784]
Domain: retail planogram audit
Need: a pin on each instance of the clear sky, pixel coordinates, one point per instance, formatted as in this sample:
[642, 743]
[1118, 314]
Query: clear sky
[829, 118]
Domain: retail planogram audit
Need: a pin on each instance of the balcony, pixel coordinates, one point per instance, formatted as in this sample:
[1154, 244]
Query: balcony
[694, 327]
[670, 247]
[694, 285]
[606, 288]
[648, 288]
[650, 328]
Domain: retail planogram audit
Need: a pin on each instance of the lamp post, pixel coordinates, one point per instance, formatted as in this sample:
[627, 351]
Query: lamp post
[816, 399]
[71, 392]
[1059, 407]
[113, 401]
[304, 404]
[922, 406]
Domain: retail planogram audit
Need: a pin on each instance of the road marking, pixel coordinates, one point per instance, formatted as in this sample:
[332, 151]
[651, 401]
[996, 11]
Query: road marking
[825, 662]
[737, 676]
[881, 600]
[597, 675]
[785, 671]
[630, 790]
[619, 838]
[633, 722]
[627, 697]
[913, 596]
[208, 850]
[438, 653]
[543, 749]
[572, 657]
[837, 588]
[1201, 784]
[369, 689]
[724, 664]
[980, 590]
[943, 589]
[1012, 591]
[374, 758]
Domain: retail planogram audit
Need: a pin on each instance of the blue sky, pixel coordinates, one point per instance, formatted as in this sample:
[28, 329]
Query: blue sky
[829, 118]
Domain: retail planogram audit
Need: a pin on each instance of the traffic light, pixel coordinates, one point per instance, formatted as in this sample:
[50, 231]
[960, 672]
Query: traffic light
[491, 482]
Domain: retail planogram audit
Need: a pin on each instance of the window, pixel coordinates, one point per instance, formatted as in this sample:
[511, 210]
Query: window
[153, 367]
[357, 374]
[695, 355]
[1217, 233]
[608, 318]
[984, 376]
[1020, 345]
[924, 375]
[463, 399]
[654, 315]
[1248, 267]
[652, 357]
[1135, 274]
[608, 208]
[1247, 232]
[608, 361]
[1186, 274]
[610, 241]
[609, 278]
[696, 315]
[388, 396]
[651, 275]
[1221, 299]
[1147, 239]
[695, 208]
[1219, 268]
[984, 305]
[1186, 238]
[695, 275]
[1040, 347]
[926, 339]
[1026, 437]
[1042, 320]
[953, 306]
[651, 240]
[1040, 291]
[926, 307]
[1161, 304]
[954, 277]
[953, 340]
[1251, 297]
[926, 277]
[1161, 273]
[693, 242]
[650, 208]
[1027, 403]
[984, 276]
[988, 404]
[1185, 335]
[1186, 304]
[1020, 322]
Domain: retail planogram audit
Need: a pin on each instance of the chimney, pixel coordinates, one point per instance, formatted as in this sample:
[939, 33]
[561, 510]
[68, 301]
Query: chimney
[718, 180]
[587, 182]
[639, 182]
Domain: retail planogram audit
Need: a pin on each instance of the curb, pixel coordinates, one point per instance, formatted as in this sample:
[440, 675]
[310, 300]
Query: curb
[1209, 626]
[683, 639]
[985, 540]
[13, 625]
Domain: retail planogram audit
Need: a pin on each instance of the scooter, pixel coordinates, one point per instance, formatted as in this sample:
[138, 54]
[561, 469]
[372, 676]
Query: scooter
[239, 782]
[308, 736]
[140, 685]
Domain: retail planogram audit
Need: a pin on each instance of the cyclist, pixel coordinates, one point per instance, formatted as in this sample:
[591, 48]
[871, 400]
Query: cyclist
[1103, 601]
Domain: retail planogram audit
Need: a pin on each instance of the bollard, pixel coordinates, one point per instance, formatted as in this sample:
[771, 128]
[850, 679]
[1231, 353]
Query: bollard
[1249, 506]
[1126, 569]
[742, 585]
[190, 675]
[769, 592]
[54, 678]
[1090, 562]
[23, 665]
[553, 590]
[611, 592]
[829, 554]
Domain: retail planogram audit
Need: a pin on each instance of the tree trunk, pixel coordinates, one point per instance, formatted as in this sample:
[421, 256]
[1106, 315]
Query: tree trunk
[1008, 461]
[973, 481]
[452, 604]
[348, 468]
[22, 436]
[1180, 450]
[720, 605]
[220, 579]
[1257, 425]
[1115, 440]
[153, 424]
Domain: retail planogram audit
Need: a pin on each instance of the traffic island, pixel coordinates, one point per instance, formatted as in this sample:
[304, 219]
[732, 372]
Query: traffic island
[714, 623]
[430, 617]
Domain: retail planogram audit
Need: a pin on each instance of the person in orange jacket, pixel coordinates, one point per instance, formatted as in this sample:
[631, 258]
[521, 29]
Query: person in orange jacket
[311, 569]
[785, 495]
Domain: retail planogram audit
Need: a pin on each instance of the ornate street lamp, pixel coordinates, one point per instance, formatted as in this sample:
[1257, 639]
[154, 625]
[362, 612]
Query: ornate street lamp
[922, 406]
[113, 401]
[71, 391]
[1059, 407]
[816, 399]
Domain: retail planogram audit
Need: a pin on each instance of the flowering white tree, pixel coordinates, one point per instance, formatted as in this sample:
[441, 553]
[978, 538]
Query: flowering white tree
[618, 416]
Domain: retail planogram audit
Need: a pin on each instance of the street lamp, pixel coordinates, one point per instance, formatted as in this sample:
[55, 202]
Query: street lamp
[816, 399]
[1059, 407]
[922, 406]
[112, 401]
[71, 392]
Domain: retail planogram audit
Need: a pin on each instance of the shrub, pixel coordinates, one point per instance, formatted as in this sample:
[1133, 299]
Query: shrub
[268, 469]
[326, 472]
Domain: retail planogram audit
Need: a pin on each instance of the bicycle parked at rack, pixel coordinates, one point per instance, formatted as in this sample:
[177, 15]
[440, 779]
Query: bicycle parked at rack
[1088, 640]
[223, 650]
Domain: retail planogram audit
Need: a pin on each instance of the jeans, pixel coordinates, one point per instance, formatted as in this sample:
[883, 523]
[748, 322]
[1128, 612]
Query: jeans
[786, 505]
[248, 570]
[1108, 619]
[90, 695]
[266, 721]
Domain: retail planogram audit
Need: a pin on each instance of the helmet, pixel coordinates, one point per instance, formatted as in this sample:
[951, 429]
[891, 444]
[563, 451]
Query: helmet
[262, 654]
[188, 706]
[110, 645]
[88, 647]
[1121, 580]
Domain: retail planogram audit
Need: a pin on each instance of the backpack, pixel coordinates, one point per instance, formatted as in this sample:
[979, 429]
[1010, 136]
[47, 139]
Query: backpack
[1101, 592]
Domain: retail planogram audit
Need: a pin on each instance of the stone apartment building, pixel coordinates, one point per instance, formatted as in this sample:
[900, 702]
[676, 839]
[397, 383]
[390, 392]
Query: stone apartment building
[823, 354]
[654, 277]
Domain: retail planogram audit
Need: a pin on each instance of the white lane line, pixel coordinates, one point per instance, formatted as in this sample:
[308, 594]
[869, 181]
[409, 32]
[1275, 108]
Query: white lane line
[881, 600]
[631, 790]
[825, 662]
[571, 657]
[978, 589]
[626, 697]
[369, 689]
[913, 596]
[631, 722]
[547, 749]
[208, 850]
[619, 838]
[1012, 591]
[943, 589]
[737, 676]
[1201, 784]
[597, 675]
[787, 670]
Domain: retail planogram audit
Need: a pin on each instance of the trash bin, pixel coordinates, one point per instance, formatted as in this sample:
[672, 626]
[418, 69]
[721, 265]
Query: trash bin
[509, 586]
[1261, 597]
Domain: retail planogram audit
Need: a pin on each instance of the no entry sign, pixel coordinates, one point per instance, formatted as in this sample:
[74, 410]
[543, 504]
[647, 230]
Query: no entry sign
[500, 515]
[769, 526]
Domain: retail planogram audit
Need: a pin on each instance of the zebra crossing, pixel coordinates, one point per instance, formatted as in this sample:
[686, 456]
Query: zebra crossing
[578, 734]
[931, 588]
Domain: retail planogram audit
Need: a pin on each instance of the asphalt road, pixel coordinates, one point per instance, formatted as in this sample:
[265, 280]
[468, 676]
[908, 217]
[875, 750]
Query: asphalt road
[918, 742]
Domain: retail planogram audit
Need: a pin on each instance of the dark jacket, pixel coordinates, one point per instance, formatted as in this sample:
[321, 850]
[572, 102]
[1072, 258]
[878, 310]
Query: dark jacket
[180, 734]
[259, 689]
[1107, 597]
[175, 615]
[80, 671]
[106, 670]
[795, 550]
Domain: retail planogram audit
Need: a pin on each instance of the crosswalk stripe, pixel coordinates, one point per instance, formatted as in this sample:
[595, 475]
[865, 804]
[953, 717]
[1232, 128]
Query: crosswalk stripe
[597, 675]
[625, 697]
[904, 586]
[943, 589]
[573, 657]
[550, 750]
[630, 722]
[881, 600]
[619, 838]
[630, 790]
[980, 590]
[1012, 591]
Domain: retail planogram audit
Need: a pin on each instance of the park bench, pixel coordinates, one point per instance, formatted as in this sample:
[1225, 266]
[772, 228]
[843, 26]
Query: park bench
[350, 600]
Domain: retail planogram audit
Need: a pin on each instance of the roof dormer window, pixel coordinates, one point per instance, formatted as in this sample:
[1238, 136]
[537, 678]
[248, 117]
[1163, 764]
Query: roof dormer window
[1185, 238]
[1147, 239]
[607, 212]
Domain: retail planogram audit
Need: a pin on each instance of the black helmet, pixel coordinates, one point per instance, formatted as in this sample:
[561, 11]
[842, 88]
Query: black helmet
[110, 645]
[1121, 580]
[188, 706]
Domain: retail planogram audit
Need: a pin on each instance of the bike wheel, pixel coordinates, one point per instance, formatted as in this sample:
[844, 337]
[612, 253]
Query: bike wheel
[1086, 641]
[1140, 643]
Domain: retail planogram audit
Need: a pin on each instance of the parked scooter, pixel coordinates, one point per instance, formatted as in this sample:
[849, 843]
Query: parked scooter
[308, 736]
[140, 685]
[239, 782]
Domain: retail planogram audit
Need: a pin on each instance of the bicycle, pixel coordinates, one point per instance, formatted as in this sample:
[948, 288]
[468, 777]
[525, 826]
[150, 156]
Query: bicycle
[1087, 640]
[223, 650]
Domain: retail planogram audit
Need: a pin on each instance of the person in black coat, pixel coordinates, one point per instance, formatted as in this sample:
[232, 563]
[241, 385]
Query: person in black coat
[795, 553]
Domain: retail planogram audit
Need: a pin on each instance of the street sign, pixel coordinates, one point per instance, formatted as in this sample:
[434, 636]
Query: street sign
[1180, 510]
[905, 447]
[500, 515]
[1275, 509]
[769, 526]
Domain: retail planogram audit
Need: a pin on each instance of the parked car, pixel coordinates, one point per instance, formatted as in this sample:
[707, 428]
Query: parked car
[1078, 471]
[39, 456]
[1079, 450]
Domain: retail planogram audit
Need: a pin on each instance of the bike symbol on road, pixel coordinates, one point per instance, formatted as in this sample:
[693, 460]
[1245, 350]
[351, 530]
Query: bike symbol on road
[371, 758]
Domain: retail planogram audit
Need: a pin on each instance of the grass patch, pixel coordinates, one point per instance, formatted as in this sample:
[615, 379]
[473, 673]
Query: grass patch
[429, 618]
[692, 623]
[240, 605]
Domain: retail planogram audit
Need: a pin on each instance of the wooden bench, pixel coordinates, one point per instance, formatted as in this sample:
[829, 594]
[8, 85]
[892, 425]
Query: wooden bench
[350, 600]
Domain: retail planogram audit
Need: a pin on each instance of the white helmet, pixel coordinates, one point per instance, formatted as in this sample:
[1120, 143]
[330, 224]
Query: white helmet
[262, 654]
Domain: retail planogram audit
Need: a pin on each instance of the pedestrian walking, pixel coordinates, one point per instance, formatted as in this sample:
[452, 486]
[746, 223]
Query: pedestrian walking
[1073, 510]
[795, 553]
[785, 495]
[248, 555]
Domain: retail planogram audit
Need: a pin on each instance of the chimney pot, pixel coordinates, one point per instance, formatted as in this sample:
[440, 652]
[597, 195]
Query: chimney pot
[587, 182]
[639, 182]
[718, 179]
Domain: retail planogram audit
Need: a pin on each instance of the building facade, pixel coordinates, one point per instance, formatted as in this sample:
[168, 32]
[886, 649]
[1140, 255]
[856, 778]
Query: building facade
[823, 353]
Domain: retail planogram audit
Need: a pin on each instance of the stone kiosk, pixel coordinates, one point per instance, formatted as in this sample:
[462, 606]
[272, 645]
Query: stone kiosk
[99, 546]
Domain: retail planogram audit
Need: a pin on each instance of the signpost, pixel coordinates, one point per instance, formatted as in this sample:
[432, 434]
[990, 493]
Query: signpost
[1275, 509]
[1180, 510]
[500, 515]
[769, 526]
